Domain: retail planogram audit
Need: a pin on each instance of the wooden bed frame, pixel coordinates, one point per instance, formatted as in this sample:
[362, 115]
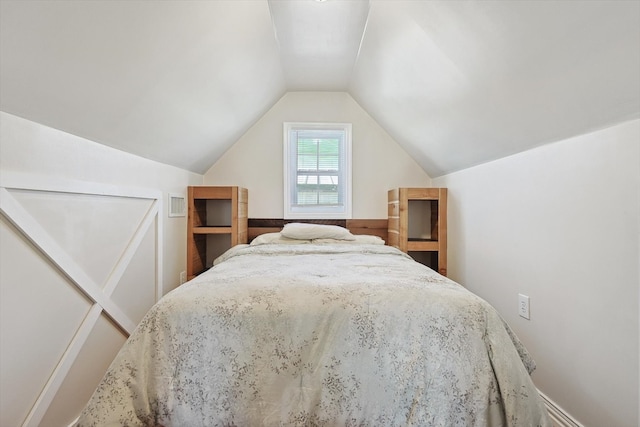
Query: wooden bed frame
[375, 227]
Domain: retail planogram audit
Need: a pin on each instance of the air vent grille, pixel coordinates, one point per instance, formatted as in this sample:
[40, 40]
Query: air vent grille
[177, 205]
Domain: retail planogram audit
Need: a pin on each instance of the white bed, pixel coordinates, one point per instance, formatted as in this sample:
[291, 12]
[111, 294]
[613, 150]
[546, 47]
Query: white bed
[331, 334]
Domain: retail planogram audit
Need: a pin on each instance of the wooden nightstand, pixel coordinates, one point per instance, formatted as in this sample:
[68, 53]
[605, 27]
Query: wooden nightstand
[418, 224]
[217, 220]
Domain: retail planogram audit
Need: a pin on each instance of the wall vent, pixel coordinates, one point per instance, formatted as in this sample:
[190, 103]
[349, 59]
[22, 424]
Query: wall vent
[177, 205]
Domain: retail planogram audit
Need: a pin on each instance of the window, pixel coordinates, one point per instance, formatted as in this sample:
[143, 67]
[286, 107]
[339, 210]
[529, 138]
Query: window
[317, 170]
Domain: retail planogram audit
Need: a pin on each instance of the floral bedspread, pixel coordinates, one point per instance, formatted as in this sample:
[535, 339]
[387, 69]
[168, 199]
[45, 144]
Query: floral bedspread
[319, 335]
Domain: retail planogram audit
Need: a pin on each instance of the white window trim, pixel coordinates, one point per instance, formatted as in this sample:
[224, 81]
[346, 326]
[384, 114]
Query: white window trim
[315, 212]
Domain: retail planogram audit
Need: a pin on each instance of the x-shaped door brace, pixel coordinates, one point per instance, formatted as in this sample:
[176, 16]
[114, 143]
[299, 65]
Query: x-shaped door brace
[49, 248]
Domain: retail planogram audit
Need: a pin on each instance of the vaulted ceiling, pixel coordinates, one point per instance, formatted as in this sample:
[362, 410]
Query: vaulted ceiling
[456, 83]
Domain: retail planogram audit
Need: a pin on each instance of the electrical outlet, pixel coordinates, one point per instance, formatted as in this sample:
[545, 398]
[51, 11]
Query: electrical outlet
[183, 277]
[523, 306]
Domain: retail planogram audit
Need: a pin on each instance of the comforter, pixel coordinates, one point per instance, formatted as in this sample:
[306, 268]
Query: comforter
[319, 335]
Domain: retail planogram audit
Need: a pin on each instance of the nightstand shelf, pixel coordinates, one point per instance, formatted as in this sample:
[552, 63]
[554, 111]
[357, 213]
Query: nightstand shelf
[212, 230]
[217, 220]
[418, 224]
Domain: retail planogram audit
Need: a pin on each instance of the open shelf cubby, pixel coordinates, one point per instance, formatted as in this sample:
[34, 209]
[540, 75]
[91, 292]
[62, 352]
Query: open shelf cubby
[217, 220]
[418, 224]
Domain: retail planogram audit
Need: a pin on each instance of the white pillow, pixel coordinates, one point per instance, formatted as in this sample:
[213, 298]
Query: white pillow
[297, 230]
[362, 239]
[276, 239]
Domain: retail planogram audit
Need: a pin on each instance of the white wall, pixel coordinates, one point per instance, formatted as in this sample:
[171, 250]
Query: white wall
[83, 258]
[255, 161]
[560, 223]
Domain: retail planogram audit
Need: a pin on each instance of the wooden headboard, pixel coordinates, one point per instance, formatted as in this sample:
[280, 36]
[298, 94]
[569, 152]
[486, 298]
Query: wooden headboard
[375, 227]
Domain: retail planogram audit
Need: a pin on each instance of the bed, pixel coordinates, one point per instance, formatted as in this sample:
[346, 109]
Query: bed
[319, 332]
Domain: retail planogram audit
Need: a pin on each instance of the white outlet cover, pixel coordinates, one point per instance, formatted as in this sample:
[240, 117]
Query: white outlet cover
[523, 306]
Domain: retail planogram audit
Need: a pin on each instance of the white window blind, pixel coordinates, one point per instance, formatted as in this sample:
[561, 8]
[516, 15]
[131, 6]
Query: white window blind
[317, 170]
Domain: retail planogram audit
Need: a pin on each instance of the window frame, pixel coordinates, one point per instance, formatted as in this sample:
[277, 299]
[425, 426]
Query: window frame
[292, 211]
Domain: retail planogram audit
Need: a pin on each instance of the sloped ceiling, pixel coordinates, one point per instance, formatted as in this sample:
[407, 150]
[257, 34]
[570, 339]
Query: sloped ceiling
[456, 83]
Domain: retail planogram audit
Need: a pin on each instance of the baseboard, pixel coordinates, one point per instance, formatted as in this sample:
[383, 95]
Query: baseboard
[558, 415]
